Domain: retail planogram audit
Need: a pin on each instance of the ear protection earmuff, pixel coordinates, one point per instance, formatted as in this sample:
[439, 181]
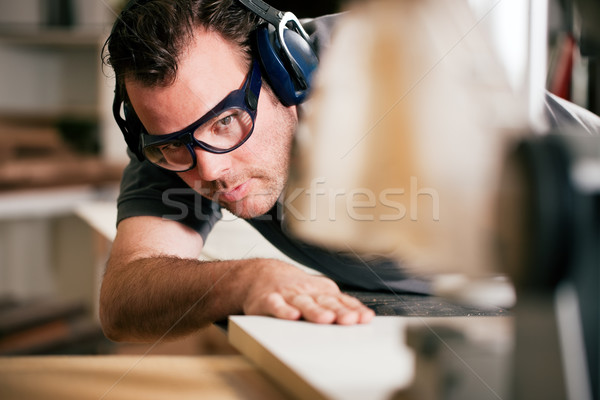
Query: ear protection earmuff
[283, 48]
[285, 52]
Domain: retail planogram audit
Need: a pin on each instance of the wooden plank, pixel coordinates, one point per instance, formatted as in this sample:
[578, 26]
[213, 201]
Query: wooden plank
[315, 361]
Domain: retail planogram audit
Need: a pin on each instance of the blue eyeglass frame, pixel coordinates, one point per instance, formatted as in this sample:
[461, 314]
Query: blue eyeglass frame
[245, 98]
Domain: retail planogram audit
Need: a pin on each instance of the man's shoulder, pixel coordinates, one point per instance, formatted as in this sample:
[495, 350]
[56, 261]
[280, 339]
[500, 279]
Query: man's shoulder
[146, 190]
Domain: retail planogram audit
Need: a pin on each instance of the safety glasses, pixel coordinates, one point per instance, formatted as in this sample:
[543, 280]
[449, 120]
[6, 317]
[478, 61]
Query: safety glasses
[221, 130]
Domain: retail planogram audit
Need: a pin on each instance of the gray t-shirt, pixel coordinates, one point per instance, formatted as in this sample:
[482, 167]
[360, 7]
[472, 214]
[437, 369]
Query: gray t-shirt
[147, 190]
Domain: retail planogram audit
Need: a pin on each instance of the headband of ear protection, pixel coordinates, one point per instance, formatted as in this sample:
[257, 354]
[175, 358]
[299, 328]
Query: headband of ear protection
[284, 50]
[130, 125]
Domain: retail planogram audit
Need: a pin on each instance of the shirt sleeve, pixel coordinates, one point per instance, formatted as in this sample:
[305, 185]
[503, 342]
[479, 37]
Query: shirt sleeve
[147, 190]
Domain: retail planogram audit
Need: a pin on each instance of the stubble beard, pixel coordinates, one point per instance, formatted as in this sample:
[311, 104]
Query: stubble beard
[269, 186]
[268, 180]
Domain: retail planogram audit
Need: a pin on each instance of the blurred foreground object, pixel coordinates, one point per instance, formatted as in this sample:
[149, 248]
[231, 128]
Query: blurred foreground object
[549, 229]
[549, 237]
[415, 146]
[401, 145]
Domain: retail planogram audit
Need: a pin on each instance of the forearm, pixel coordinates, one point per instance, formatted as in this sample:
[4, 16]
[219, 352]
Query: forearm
[167, 297]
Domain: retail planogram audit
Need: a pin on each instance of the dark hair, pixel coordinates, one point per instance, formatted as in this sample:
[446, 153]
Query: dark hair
[149, 36]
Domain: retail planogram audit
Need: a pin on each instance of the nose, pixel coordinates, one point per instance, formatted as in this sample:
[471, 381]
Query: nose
[211, 166]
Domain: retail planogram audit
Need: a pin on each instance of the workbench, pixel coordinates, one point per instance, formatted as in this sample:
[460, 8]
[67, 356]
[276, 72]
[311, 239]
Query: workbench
[133, 377]
[279, 359]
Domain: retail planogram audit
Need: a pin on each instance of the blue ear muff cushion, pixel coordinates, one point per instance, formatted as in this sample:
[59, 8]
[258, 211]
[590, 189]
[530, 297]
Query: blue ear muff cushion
[302, 53]
[281, 77]
[276, 73]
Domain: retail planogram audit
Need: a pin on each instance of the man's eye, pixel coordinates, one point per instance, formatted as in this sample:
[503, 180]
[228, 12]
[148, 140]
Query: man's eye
[226, 120]
[171, 146]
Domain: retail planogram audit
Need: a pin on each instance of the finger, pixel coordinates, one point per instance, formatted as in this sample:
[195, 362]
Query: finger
[366, 315]
[344, 315]
[276, 306]
[312, 311]
[363, 314]
[350, 301]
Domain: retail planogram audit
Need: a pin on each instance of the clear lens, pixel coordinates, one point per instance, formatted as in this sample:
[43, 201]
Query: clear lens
[173, 155]
[224, 131]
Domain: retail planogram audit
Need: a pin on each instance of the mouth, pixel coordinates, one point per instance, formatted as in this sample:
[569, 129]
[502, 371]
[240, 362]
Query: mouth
[233, 195]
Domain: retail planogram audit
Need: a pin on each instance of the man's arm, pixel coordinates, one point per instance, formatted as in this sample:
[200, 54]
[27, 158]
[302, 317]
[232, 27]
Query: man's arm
[155, 286]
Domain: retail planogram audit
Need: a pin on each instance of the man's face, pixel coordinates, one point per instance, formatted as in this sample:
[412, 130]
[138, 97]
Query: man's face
[248, 180]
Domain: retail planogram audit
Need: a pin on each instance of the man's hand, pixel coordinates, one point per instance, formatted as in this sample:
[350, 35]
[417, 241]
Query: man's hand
[283, 291]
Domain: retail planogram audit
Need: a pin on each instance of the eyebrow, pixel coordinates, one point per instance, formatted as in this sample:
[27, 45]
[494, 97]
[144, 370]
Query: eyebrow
[251, 88]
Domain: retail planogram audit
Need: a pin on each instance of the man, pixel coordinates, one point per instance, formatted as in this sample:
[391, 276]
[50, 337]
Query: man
[191, 65]
[174, 61]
